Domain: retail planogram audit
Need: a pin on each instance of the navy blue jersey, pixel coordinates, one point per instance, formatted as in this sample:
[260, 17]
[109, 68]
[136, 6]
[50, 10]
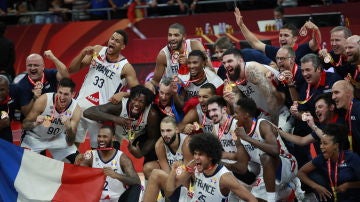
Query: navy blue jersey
[303, 49]
[348, 171]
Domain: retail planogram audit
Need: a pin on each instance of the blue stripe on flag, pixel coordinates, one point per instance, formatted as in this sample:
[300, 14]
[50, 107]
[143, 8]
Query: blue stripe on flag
[10, 162]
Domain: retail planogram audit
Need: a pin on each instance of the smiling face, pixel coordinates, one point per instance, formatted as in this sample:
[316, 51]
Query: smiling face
[164, 94]
[35, 67]
[175, 39]
[204, 95]
[323, 110]
[137, 105]
[239, 115]
[352, 49]
[341, 96]
[232, 65]
[328, 147]
[168, 132]
[286, 38]
[309, 73]
[216, 113]
[115, 44]
[338, 41]
[196, 66]
[283, 60]
[63, 97]
[104, 138]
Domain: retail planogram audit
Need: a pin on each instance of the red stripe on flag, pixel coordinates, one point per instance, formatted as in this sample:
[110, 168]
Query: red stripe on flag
[80, 184]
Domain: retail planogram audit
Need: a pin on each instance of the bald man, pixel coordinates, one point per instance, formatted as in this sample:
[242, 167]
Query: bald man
[37, 80]
[351, 72]
[343, 95]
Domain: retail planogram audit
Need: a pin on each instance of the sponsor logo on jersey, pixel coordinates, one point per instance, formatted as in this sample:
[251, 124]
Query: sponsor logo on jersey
[93, 98]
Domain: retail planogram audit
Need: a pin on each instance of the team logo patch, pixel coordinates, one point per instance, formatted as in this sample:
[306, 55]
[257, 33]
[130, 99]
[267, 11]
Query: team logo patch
[93, 98]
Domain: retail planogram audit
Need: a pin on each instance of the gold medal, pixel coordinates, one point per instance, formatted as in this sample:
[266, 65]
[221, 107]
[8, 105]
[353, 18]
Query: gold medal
[228, 88]
[46, 123]
[327, 58]
[281, 77]
[179, 170]
[4, 115]
[303, 31]
[131, 134]
[196, 126]
[39, 85]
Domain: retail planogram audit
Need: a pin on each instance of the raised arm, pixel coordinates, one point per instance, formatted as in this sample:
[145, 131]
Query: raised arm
[84, 58]
[255, 73]
[158, 72]
[71, 125]
[298, 140]
[62, 71]
[315, 37]
[249, 36]
[33, 118]
[130, 75]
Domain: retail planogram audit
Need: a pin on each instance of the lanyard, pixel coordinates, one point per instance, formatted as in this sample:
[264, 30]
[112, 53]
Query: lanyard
[308, 96]
[167, 110]
[40, 83]
[252, 127]
[348, 118]
[175, 54]
[333, 182]
[241, 82]
[222, 129]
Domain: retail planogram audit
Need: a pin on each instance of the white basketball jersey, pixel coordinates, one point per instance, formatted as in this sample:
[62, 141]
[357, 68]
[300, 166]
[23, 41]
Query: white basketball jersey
[102, 81]
[207, 188]
[138, 126]
[172, 66]
[178, 155]
[226, 139]
[113, 188]
[253, 91]
[254, 152]
[192, 90]
[207, 125]
[56, 127]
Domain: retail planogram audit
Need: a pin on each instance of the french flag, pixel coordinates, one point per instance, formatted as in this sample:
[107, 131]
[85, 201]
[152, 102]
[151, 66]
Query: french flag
[28, 176]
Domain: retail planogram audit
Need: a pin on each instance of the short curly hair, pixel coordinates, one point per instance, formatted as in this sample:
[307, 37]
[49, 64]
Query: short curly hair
[207, 143]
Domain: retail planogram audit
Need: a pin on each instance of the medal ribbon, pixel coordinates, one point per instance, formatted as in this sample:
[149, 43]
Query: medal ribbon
[348, 118]
[33, 82]
[236, 83]
[308, 96]
[333, 183]
[252, 126]
[222, 129]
